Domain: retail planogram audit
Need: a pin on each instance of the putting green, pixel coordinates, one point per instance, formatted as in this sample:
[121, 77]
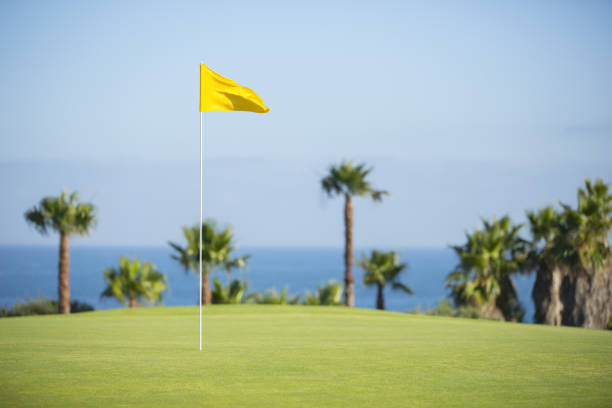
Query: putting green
[298, 356]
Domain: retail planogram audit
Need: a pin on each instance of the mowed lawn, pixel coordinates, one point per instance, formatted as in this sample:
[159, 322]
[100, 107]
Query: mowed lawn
[298, 356]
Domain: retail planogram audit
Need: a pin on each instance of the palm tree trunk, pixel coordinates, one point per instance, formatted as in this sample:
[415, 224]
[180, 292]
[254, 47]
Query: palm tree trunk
[206, 297]
[64, 276]
[380, 297]
[546, 295]
[349, 281]
[132, 302]
[587, 297]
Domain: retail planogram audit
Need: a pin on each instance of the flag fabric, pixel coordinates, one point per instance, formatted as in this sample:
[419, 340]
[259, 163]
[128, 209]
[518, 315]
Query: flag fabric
[218, 93]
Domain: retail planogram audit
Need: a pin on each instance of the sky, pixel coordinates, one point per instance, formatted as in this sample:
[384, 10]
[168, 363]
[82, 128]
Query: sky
[464, 109]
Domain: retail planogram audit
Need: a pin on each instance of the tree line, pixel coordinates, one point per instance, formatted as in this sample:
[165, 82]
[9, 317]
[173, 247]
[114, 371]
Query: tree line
[568, 251]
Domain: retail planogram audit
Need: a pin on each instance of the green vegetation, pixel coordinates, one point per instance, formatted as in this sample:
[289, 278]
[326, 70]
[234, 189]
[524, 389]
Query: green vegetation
[446, 308]
[67, 216]
[234, 293]
[289, 356]
[40, 306]
[231, 294]
[272, 297]
[328, 295]
[382, 269]
[348, 180]
[487, 261]
[570, 250]
[133, 282]
[217, 248]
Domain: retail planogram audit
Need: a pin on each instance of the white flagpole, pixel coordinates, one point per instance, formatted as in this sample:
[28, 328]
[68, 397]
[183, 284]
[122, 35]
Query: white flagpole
[200, 227]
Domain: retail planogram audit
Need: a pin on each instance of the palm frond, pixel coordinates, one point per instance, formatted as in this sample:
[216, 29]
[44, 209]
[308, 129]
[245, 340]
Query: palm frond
[64, 214]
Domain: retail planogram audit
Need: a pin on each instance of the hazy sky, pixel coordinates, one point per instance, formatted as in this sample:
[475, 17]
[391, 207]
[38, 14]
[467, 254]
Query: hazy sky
[465, 108]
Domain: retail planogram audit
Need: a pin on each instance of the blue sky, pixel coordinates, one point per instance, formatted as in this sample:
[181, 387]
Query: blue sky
[465, 109]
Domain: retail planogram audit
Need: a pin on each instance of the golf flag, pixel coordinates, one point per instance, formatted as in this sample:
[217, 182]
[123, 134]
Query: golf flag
[218, 93]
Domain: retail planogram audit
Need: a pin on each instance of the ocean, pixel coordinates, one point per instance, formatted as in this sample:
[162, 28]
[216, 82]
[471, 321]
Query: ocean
[30, 271]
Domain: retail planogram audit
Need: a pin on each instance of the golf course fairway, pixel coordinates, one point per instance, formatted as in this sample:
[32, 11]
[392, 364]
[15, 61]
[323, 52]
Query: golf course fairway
[297, 356]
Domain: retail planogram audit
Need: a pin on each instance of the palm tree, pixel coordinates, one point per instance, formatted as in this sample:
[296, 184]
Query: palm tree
[328, 295]
[133, 281]
[544, 259]
[570, 254]
[67, 216]
[584, 231]
[381, 269]
[217, 248]
[349, 179]
[487, 261]
[584, 242]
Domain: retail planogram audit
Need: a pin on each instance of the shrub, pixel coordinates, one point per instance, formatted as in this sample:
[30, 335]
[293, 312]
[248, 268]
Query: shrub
[40, 306]
[328, 295]
[78, 307]
[446, 308]
[272, 297]
[230, 294]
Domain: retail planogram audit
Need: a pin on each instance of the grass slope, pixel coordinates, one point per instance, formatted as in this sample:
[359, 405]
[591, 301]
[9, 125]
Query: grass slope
[296, 356]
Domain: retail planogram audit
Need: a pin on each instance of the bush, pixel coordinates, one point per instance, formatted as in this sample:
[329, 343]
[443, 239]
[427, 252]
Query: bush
[38, 306]
[272, 297]
[445, 308]
[78, 307]
[230, 294]
[42, 305]
[328, 295]
[469, 312]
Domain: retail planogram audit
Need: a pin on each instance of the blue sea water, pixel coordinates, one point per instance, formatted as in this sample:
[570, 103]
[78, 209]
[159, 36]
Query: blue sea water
[30, 271]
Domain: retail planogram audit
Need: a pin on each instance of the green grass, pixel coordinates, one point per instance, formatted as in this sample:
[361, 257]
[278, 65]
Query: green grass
[297, 356]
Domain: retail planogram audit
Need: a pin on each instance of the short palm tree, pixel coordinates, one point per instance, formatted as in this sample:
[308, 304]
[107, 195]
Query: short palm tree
[66, 215]
[133, 281]
[217, 248]
[487, 261]
[348, 180]
[382, 269]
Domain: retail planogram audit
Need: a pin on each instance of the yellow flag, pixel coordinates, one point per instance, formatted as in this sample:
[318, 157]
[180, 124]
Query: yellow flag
[218, 93]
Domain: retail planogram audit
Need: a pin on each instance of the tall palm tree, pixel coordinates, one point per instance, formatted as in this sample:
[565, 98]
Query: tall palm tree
[217, 248]
[487, 261]
[381, 269]
[133, 281]
[577, 244]
[348, 180]
[581, 244]
[66, 215]
[584, 231]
